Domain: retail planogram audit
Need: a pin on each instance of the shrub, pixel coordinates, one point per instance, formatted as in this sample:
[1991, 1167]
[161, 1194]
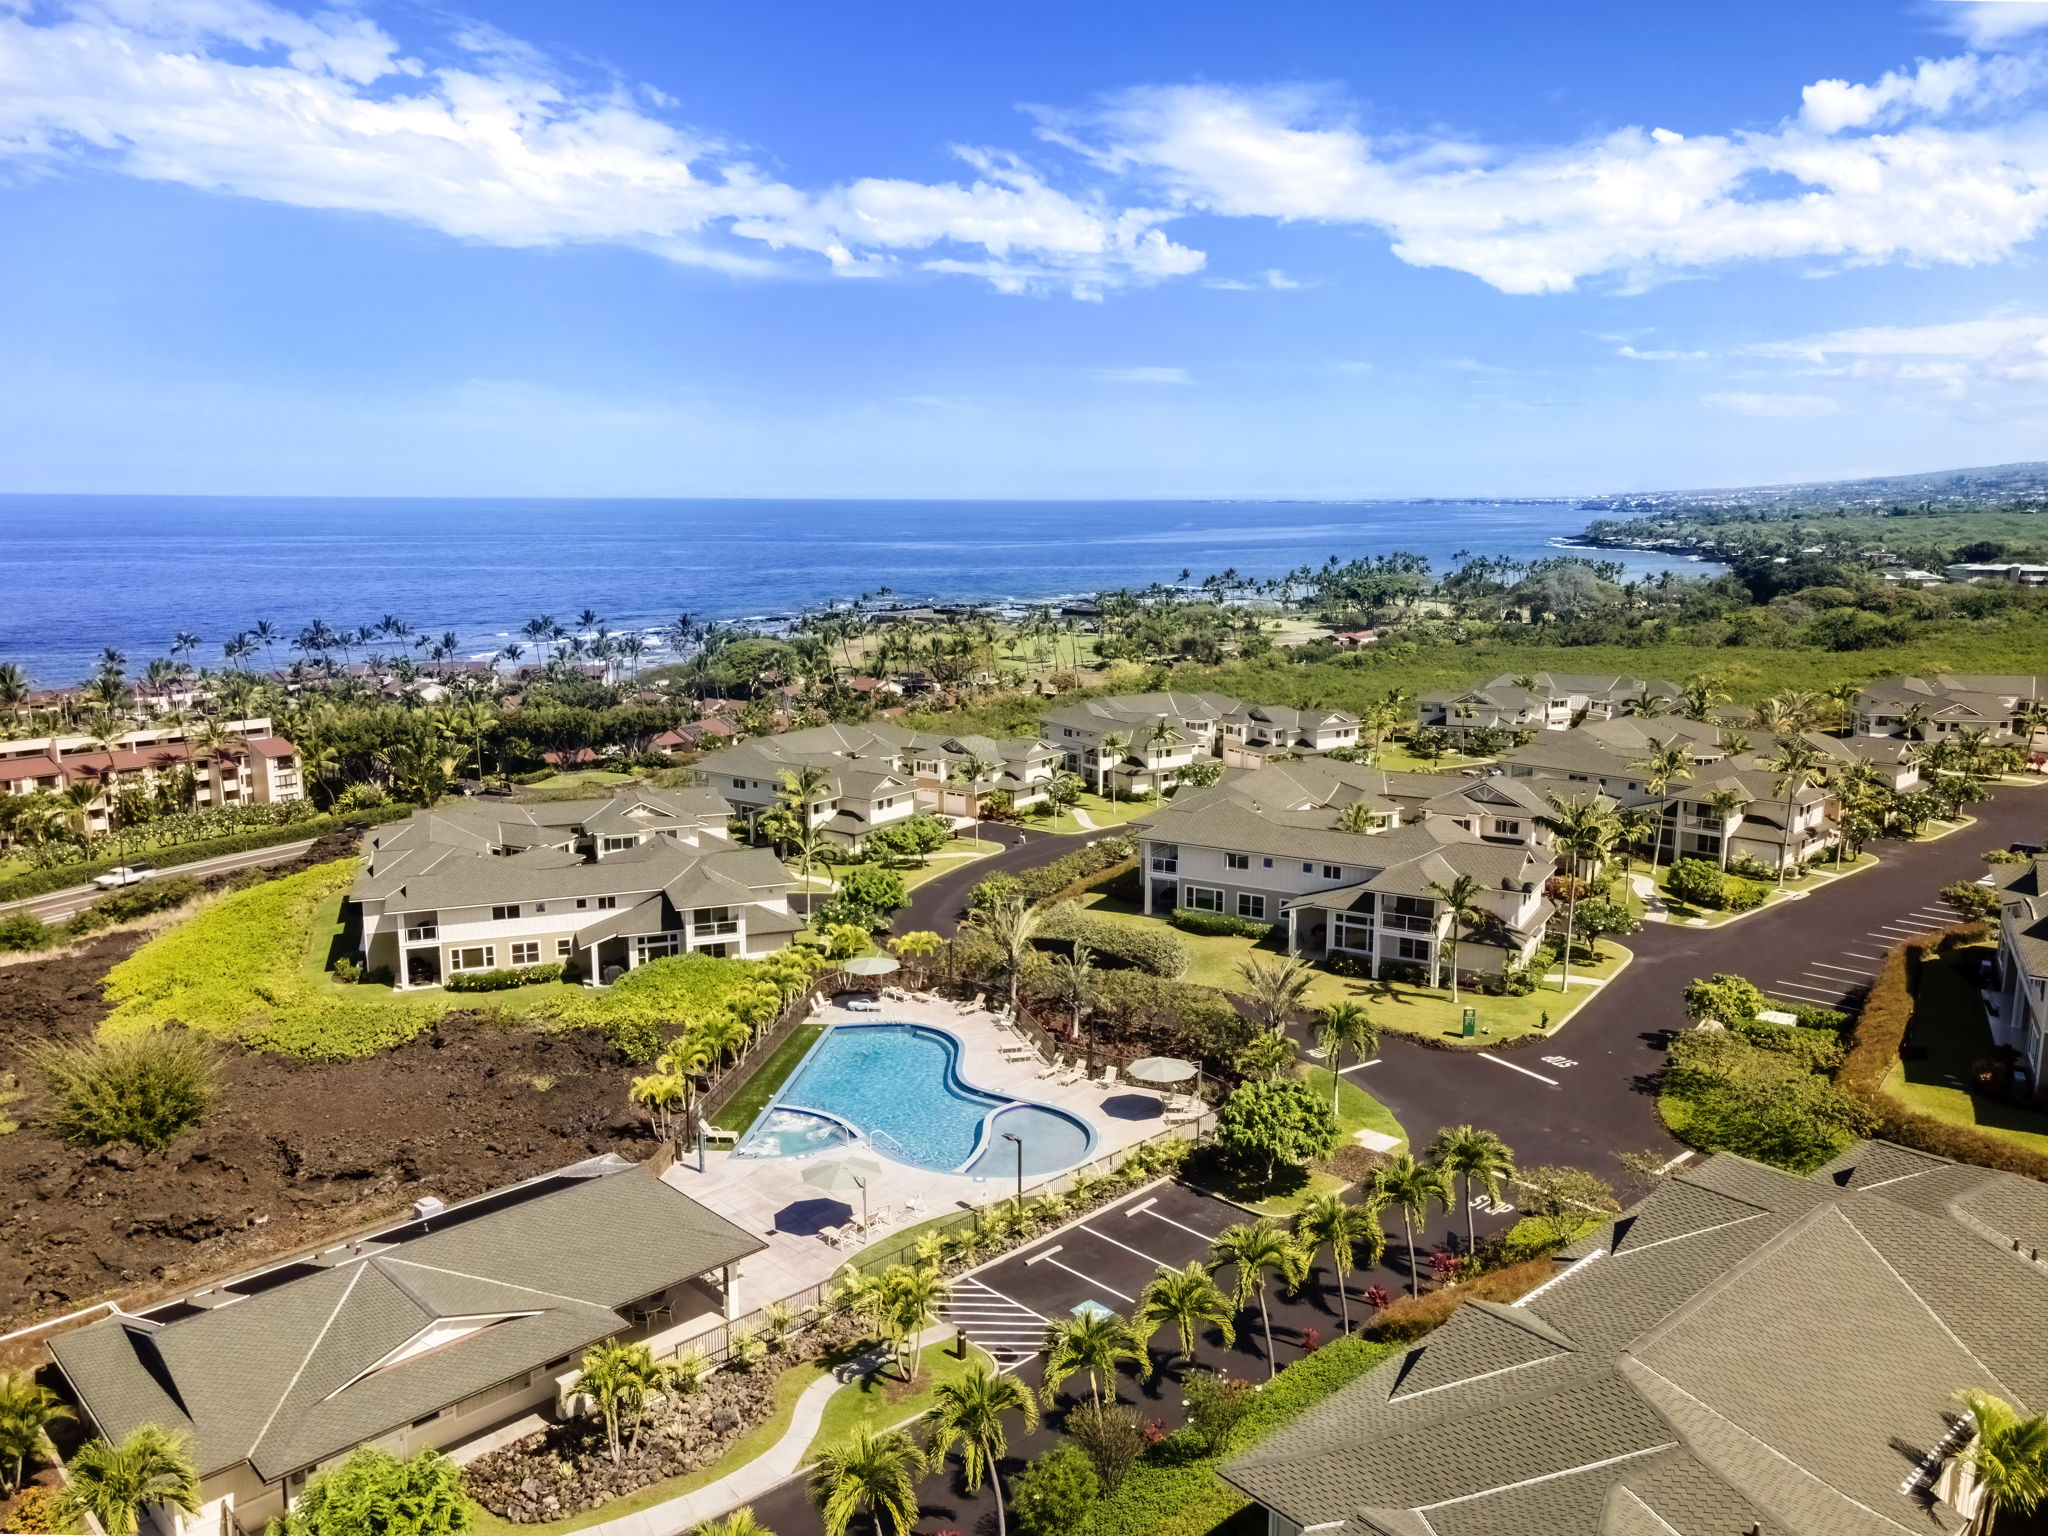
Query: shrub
[1111, 1436]
[867, 897]
[1741, 896]
[1070, 874]
[1817, 1050]
[35, 1512]
[501, 981]
[1153, 950]
[140, 1089]
[654, 1002]
[1220, 924]
[1722, 1092]
[1696, 882]
[137, 901]
[1271, 1123]
[373, 1493]
[1217, 1405]
[24, 932]
[1055, 1493]
[995, 891]
[1972, 899]
[1724, 998]
[1407, 1318]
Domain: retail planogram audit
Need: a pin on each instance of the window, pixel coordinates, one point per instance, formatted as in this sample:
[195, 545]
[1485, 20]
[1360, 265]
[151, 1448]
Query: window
[607, 903]
[739, 783]
[614, 844]
[564, 948]
[1411, 949]
[1237, 860]
[481, 957]
[1508, 828]
[1268, 863]
[526, 953]
[422, 925]
[581, 903]
[1333, 872]
[1202, 899]
[1165, 858]
[1251, 904]
[504, 914]
[1308, 868]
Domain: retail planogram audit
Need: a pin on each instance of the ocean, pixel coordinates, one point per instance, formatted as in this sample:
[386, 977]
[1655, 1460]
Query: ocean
[78, 573]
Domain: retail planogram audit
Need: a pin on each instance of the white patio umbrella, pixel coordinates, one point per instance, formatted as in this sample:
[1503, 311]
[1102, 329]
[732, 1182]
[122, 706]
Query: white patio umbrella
[1164, 1070]
[842, 1174]
[872, 965]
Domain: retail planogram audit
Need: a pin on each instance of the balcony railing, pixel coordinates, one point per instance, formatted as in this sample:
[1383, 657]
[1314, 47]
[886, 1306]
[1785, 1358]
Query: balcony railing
[1166, 866]
[712, 930]
[422, 934]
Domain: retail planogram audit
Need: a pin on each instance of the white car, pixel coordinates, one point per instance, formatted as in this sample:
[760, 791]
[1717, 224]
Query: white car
[127, 874]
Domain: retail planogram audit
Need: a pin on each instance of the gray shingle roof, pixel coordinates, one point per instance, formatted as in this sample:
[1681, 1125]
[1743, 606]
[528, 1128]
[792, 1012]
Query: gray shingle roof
[303, 1370]
[1744, 1347]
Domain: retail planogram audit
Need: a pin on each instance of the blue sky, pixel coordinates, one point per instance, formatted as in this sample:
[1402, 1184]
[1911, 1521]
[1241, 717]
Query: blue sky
[1148, 249]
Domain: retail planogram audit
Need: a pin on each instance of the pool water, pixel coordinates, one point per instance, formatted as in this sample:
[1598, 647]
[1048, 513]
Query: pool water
[898, 1087]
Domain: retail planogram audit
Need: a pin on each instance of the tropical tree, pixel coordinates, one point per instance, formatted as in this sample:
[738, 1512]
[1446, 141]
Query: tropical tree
[619, 1378]
[1188, 1298]
[2006, 1458]
[1072, 978]
[1109, 750]
[113, 1482]
[1343, 1026]
[740, 1522]
[970, 773]
[1358, 818]
[1461, 904]
[1586, 831]
[662, 1095]
[1726, 804]
[873, 1473]
[1413, 1186]
[1012, 924]
[1330, 1221]
[1665, 762]
[1477, 1157]
[1275, 987]
[373, 1493]
[1698, 695]
[1095, 1342]
[1255, 1250]
[971, 1412]
[27, 1410]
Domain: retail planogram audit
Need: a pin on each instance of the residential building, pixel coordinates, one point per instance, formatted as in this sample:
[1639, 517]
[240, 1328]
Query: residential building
[875, 775]
[421, 1336]
[252, 765]
[597, 886]
[1929, 708]
[1538, 701]
[2022, 996]
[1746, 1351]
[1992, 570]
[1137, 744]
[1272, 846]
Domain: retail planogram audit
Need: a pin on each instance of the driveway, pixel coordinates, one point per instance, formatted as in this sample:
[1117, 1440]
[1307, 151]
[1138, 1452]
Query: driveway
[940, 903]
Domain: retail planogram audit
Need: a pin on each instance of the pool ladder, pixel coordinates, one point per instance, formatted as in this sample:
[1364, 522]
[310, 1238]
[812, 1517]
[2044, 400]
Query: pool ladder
[884, 1142]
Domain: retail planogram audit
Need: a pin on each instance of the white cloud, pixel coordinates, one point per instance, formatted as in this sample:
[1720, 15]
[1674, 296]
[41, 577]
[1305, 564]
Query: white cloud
[1994, 23]
[1908, 168]
[1141, 376]
[243, 97]
[2003, 351]
[1743, 404]
[1656, 355]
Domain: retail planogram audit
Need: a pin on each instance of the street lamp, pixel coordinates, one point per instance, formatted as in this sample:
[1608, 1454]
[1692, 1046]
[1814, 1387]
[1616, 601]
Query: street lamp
[1019, 1145]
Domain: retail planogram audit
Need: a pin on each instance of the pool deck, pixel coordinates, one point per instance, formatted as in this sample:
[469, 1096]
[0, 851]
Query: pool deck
[768, 1196]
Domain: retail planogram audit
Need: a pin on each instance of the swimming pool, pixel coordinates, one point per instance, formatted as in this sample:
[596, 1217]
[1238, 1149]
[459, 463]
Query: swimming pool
[897, 1087]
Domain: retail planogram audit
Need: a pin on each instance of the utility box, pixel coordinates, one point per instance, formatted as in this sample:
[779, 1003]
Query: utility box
[1470, 1027]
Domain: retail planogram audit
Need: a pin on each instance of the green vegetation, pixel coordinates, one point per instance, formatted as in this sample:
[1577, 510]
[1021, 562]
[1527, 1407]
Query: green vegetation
[1954, 1073]
[880, 1400]
[755, 1094]
[1764, 1091]
[373, 1493]
[138, 1089]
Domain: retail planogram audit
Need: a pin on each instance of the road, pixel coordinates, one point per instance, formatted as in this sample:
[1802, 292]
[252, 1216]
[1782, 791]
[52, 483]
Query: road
[55, 906]
[940, 903]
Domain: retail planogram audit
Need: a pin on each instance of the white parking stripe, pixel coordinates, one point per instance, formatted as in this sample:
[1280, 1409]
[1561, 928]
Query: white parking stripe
[1852, 970]
[1127, 1248]
[1047, 1258]
[1854, 954]
[1800, 986]
[1523, 1070]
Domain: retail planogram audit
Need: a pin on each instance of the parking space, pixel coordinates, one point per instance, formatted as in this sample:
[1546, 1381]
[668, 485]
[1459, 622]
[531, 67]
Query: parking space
[1840, 979]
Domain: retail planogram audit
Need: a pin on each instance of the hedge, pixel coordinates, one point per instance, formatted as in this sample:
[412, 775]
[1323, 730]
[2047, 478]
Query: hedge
[1874, 1049]
[1220, 924]
[502, 980]
[62, 877]
[1155, 951]
[1073, 873]
[1173, 1488]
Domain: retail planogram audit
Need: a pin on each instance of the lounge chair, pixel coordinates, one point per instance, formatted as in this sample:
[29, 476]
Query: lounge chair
[1077, 1073]
[1052, 1068]
[833, 1235]
[1108, 1078]
[913, 1205]
[885, 1215]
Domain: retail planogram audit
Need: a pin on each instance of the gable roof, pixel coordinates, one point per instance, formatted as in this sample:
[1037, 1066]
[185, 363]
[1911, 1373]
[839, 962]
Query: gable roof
[352, 1343]
[1744, 1348]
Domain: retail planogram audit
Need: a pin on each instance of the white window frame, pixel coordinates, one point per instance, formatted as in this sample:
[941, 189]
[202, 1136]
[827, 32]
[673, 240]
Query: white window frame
[1237, 861]
[564, 948]
[1410, 949]
[526, 952]
[1202, 898]
[488, 962]
[1252, 904]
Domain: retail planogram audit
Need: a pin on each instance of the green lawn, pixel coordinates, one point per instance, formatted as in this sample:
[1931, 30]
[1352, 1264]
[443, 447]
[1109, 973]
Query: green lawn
[742, 1109]
[1395, 757]
[322, 948]
[1948, 1023]
[789, 1386]
[1424, 1011]
[961, 850]
[582, 777]
[878, 1401]
[1106, 814]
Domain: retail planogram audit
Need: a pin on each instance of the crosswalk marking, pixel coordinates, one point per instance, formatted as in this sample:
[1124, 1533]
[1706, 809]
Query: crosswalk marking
[1007, 1330]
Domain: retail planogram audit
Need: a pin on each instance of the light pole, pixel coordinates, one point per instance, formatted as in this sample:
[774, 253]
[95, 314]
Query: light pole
[1019, 1145]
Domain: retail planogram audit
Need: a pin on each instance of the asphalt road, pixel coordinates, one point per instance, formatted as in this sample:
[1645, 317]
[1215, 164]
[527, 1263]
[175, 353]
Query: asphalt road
[58, 905]
[939, 905]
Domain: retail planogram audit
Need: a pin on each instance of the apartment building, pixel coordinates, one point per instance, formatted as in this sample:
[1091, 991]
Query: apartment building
[876, 775]
[2022, 998]
[597, 886]
[254, 766]
[1276, 846]
[424, 1335]
[1140, 743]
[1539, 701]
[1929, 708]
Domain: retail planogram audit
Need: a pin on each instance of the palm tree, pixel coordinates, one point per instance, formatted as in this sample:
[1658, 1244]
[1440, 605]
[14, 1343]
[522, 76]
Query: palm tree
[1276, 987]
[1107, 751]
[687, 1059]
[1666, 761]
[1358, 818]
[1012, 925]
[619, 1378]
[1698, 696]
[802, 788]
[1187, 1298]
[870, 1472]
[1345, 1025]
[2006, 1457]
[740, 1522]
[1648, 703]
[1073, 983]
[1586, 830]
[1411, 1185]
[1255, 1249]
[1726, 804]
[1329, 1221]
[1094, 1342]
[1461, 903]
[27, 1410]
[14, 687]
[970, 1412]
[969, 772]
[1475, 1156]
[661, 1094]
[113, 1482]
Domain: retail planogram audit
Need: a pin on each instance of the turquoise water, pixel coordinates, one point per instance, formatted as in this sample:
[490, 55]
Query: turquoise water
[899, 1086]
